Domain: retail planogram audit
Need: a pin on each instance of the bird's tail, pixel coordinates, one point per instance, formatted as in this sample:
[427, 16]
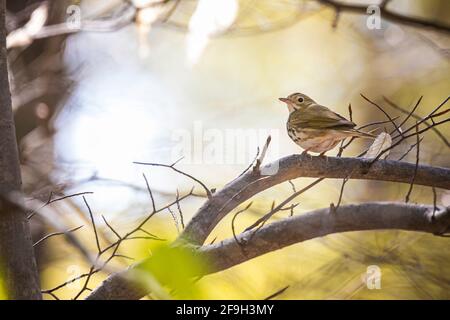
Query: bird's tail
[361, 134]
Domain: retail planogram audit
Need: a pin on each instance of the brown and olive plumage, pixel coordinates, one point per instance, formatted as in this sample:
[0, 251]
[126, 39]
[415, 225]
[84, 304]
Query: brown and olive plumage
[316, 128]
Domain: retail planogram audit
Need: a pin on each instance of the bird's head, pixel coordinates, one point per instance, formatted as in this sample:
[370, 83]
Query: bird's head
[297, 101]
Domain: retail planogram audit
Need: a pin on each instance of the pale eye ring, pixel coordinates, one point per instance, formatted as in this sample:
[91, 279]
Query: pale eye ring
[300, 99]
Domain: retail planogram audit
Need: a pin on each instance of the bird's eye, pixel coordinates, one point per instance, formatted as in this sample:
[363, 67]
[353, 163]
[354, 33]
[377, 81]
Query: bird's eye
[300, 99]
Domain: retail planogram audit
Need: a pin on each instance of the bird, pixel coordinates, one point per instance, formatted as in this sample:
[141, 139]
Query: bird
[315, 128]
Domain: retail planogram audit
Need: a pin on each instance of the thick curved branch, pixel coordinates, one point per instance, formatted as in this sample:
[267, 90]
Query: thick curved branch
[277, 235]
[318, 223]
[296, 166]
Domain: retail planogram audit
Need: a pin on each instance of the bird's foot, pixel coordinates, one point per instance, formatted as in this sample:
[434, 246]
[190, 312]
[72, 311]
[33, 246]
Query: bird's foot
[305, 153]
[333, 208]
[322, 155]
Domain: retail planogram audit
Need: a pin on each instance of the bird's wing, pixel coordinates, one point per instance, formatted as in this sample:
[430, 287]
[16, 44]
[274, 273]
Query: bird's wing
[317, 116]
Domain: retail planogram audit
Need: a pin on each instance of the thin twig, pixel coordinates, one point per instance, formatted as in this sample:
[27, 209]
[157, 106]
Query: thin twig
[149, 192]
[390, 15]
[174, 218]
[409, 150]
[256, 168]
[435, 207]
[292, 186]
[406, 137]
[49, 201]
[234, 218]
[377, 123]
[56, 234]
[417, 165]
[172, 166]
[54, 296]
[148, 233]
[430, 116]
[93, 225]
[111, 228]
[267, 216]
[69, 196]
[345, 146]
[279, 292]
[384, 112]
[413, 115]
[341, 193]
[180, 212]
[409, 114]
[251, 163]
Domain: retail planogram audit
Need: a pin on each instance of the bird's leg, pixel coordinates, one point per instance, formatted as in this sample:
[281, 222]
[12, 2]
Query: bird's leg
[333, 208]
[305, 153]
[322, 155]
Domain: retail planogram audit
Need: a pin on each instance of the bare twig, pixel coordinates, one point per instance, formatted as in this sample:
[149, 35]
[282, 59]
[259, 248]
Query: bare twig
[172, 167]
[50, 201]
[174, 218]
[292, 186]
[180, 212]
[276, 294]
[93, 224]
[341, 193]
[111, 228]
[68, 196]
[408, 114]
[234, 218]
[149, 192]
[434, 124]
[262, 156]
[430, 116]
[417, 165]
[413, 115]
[384, 112]
[377, 123]
[251, 163]
[282, 204]
[409, 136]
[55, 234]
[409, 150]
[435, 207]
[387, 14]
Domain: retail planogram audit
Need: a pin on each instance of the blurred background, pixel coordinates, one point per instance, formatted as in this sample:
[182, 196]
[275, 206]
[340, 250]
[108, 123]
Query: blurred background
[97, 85]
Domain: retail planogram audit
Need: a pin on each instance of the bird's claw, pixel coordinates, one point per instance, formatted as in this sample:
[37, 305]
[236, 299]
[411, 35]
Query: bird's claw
[305, 153]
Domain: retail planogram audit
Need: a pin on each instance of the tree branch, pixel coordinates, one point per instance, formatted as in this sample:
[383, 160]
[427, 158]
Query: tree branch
[296, 166]
[319, 223]
[280, 234]
[341, 7]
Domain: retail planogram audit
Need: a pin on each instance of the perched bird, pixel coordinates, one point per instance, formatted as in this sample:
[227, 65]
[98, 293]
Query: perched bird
[316, 128]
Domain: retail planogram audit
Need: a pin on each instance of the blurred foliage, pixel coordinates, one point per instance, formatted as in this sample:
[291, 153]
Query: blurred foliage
[174, 269]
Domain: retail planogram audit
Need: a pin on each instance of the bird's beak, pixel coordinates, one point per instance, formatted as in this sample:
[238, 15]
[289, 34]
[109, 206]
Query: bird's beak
[285, 100]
